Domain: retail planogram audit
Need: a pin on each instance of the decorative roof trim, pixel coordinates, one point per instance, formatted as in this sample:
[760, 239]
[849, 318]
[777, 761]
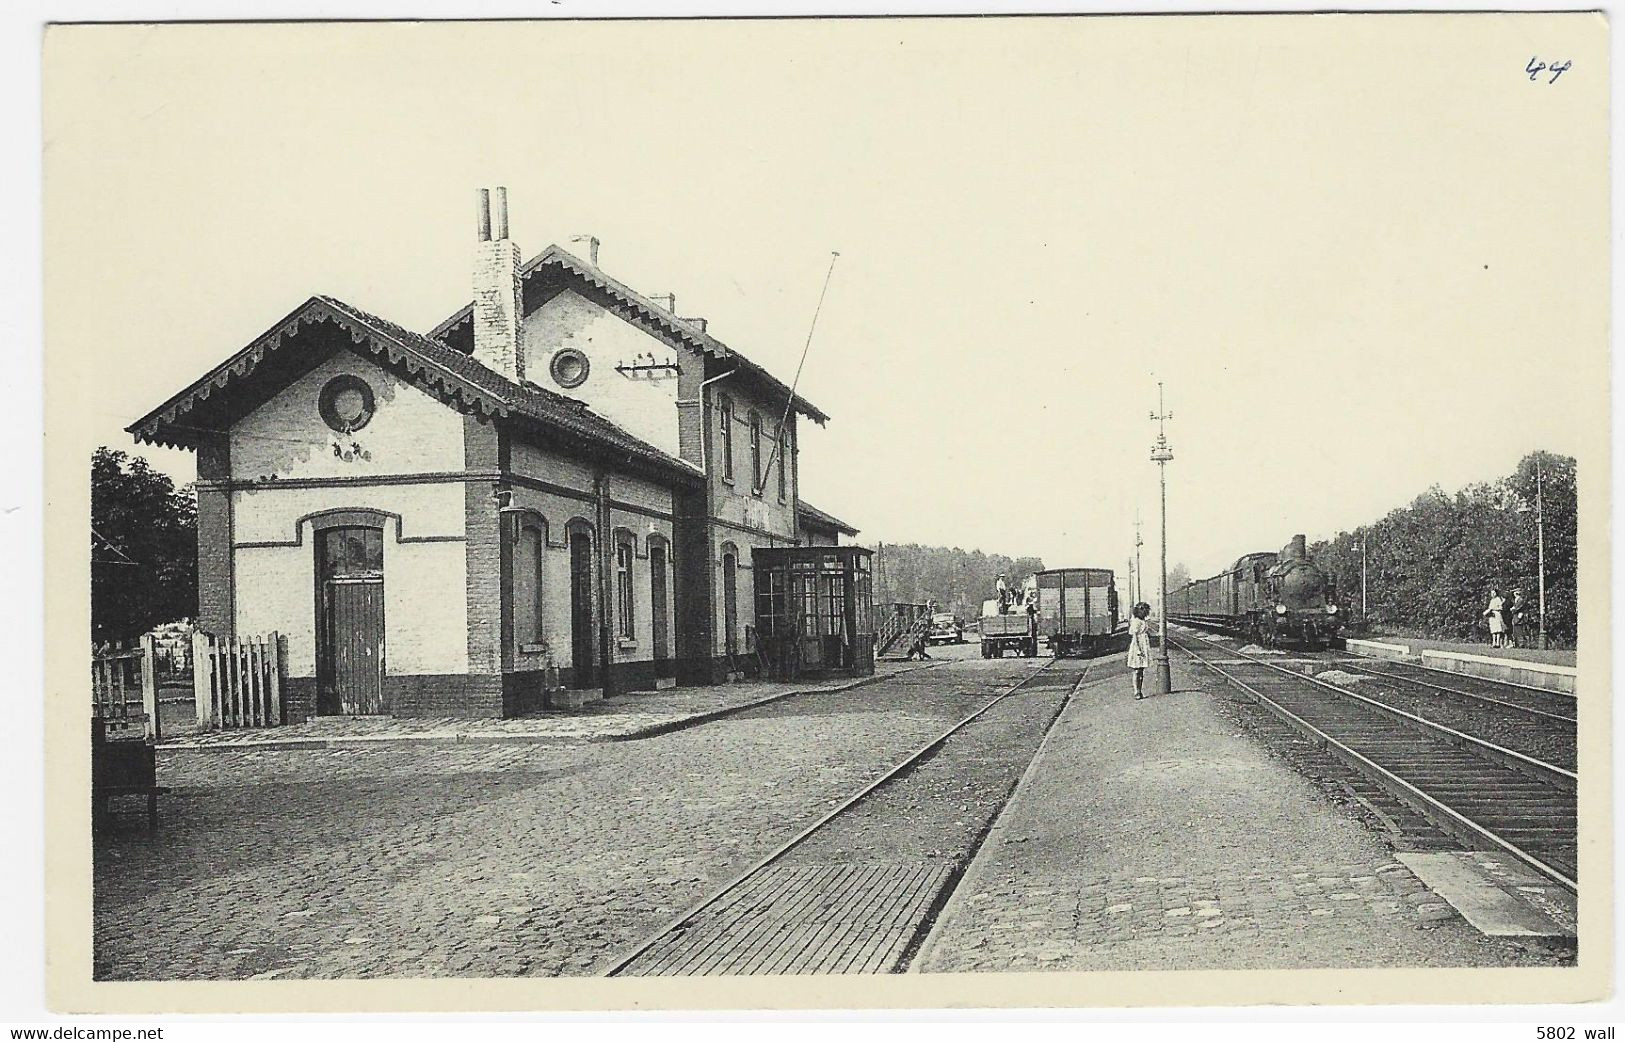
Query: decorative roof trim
[151, 428]
[416, 354]
[637, 308]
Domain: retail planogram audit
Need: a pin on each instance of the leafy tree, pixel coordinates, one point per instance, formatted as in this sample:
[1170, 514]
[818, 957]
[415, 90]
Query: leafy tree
[956, 580]
[1430, 565]
[143, 547]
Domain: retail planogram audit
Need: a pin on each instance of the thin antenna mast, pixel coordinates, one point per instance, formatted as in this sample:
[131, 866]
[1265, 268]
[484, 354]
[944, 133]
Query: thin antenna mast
[759, 481]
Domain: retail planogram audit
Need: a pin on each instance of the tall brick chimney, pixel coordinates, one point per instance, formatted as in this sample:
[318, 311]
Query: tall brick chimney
[496, 290]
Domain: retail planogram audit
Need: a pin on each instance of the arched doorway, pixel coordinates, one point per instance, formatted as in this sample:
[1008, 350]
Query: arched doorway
[657, 605]
[350, 622]
[730, 602]
[583, 641]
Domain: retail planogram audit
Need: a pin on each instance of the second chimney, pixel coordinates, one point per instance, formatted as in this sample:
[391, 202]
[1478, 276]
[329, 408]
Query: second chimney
[497, 337]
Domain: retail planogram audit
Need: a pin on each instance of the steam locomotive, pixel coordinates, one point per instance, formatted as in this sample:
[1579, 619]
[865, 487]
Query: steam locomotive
[1269, 598]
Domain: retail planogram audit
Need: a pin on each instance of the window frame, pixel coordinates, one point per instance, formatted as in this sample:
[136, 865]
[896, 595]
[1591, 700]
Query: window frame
[625, 595]
[757, 479]
[725, 409]
[784, 456]
[536, 528]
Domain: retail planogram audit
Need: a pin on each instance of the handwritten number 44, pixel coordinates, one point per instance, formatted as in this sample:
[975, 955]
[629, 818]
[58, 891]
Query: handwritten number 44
[1536, 67]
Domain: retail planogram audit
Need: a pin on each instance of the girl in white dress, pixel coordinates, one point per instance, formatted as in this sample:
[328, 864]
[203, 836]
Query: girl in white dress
[1139, 646]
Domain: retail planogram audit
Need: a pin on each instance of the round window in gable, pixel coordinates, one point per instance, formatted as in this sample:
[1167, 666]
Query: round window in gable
[569, 367]
[346, 403]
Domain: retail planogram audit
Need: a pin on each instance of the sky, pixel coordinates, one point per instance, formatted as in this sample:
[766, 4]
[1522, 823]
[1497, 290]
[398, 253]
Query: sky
[1363, 256]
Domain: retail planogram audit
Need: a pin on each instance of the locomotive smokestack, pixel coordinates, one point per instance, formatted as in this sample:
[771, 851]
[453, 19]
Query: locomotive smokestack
[1297, 550]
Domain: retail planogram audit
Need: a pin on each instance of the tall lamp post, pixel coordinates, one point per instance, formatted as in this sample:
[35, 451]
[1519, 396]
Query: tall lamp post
[1540, 548]
[1162, 680]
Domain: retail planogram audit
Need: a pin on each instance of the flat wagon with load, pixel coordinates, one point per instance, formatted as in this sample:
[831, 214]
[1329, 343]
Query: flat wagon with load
[1006, 627]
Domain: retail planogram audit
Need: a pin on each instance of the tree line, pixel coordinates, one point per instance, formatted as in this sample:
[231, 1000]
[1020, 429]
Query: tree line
[957, 580]
[143, 547]
[1429, 566]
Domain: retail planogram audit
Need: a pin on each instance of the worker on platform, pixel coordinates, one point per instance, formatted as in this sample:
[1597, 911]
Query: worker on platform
[1003, 590]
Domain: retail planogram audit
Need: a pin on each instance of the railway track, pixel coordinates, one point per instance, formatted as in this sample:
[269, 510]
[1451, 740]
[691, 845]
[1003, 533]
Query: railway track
[1486, 796]
[1515, 699]
[803, 909]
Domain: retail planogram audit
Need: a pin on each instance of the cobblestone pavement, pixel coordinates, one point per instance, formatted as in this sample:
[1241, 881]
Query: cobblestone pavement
[619, 717]
[1153, 835]
[454, 859]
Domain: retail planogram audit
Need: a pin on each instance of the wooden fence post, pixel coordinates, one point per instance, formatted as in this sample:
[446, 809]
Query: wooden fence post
[202, 671]
[149, 687]
[276, 679]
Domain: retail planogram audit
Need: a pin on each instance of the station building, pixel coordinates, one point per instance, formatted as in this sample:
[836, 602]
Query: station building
[556, 493]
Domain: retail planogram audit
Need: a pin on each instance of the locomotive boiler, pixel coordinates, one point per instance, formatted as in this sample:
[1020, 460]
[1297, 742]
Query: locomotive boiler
[1268, 598]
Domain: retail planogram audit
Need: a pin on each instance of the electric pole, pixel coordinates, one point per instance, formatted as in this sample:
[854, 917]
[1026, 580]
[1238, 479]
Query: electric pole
[1540, 546]
[1162, 680]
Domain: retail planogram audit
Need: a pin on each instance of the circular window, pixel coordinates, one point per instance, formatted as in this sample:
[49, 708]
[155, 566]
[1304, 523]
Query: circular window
[569, 368]
[346, 403]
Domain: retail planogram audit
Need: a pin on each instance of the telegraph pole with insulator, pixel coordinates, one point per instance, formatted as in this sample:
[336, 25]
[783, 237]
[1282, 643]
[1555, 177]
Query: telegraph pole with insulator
[1162, 680]
[1540, 547]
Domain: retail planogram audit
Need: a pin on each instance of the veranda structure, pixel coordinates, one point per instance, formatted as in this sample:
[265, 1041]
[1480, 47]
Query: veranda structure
[814, 611]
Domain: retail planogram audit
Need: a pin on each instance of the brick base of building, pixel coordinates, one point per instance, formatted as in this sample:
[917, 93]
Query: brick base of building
[485, 696]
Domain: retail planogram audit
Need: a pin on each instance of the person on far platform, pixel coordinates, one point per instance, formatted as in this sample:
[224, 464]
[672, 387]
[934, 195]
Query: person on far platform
[1518, 620]
[1495, 612]
[1139, 646]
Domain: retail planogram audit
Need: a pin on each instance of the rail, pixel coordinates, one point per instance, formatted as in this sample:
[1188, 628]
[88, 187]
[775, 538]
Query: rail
[1445, 816]
[629, 956]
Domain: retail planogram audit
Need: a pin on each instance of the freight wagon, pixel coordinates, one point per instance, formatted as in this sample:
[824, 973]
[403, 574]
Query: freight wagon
[1078, 611]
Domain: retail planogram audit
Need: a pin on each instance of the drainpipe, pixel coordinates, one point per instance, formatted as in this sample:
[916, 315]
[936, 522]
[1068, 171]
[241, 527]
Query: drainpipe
[712, 593]
[705, 428]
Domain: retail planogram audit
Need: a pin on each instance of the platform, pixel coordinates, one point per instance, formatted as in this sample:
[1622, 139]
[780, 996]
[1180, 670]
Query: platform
[1417, 645]
[1548, 670]
[638, 714]
[1157, 834]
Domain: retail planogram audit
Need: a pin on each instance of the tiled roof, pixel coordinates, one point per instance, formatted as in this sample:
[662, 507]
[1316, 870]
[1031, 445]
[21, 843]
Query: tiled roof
[823, 520]
[450, 372]
[651, 313]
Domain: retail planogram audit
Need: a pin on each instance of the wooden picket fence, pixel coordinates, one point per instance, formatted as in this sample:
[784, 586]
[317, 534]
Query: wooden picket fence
[237, 681]
[116, 675]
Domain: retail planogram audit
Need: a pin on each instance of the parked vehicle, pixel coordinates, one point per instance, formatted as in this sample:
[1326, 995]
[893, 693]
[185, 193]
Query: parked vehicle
[945, 629]
[1078, 611]
[1015, 631]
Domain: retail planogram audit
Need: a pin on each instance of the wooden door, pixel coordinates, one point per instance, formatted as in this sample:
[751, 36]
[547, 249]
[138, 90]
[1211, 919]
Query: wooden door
[350, 631]
[657, 601]
[581, 628]
[730, 604]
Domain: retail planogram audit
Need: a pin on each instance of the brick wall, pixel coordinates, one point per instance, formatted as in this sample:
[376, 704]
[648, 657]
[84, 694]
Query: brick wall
[497, 309]
[214, 537]
[483, 550]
